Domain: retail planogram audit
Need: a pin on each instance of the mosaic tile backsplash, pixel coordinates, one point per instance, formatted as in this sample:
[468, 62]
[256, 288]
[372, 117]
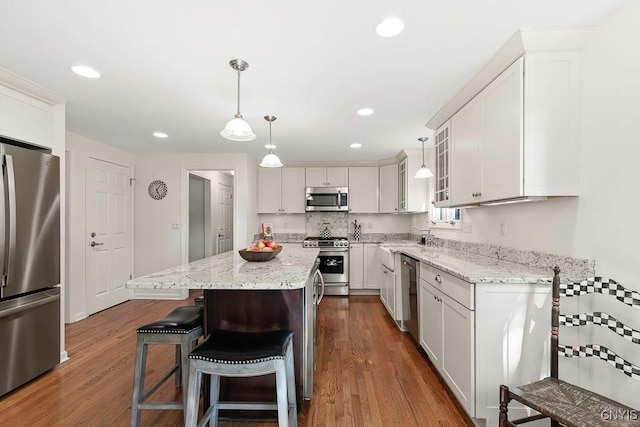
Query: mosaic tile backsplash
[336, 222]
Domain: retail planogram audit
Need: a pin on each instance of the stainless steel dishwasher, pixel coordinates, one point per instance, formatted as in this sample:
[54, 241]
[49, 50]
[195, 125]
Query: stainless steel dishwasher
[410, 295]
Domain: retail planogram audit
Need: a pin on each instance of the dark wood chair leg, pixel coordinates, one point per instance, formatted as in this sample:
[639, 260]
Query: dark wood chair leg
[504, 406]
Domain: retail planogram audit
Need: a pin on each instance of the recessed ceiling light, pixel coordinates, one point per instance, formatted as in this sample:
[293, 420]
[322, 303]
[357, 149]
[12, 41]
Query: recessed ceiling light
[160, 135]
[356, 145]
[390, 27]
[365, 112]
[84, 71]
[269, 146]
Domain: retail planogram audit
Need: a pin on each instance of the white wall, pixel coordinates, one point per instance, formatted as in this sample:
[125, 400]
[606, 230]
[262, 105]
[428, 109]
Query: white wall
[158, 246]
[79, 149]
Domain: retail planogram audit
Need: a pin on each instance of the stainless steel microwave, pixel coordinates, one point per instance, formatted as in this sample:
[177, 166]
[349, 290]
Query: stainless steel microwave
[327, 199]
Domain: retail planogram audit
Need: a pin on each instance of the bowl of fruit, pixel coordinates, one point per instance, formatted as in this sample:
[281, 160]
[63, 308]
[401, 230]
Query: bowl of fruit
[263, 250]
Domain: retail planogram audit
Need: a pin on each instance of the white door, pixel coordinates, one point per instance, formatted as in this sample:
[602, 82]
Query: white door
[108, 261]
[225, 218]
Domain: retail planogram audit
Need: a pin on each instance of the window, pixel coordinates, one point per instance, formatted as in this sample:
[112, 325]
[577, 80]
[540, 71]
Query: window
[446, 218]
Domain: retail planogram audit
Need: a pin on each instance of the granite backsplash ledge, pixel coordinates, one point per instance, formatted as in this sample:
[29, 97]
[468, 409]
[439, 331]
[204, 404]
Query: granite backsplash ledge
[571, 268]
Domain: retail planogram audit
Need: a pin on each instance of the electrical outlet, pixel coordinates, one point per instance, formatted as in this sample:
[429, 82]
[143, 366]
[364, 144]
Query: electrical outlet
[175, 226]
[467, 226]
[503, 228]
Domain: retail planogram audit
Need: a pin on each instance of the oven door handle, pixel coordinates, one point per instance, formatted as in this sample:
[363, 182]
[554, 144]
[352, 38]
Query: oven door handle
[319, 274]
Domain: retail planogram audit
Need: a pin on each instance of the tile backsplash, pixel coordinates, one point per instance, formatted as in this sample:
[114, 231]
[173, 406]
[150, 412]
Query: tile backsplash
[336, 222]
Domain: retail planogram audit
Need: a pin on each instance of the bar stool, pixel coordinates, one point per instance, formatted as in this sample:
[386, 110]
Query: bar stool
[243, 354]
[182, 327]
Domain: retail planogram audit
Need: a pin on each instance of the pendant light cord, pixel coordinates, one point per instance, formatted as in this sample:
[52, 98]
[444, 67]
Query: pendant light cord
[422, 153]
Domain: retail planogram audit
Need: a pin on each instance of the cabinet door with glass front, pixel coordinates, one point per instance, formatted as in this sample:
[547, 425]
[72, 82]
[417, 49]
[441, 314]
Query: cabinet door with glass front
[441, 196]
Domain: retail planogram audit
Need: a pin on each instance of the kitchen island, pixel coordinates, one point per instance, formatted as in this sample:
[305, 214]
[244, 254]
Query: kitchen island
[251, 297]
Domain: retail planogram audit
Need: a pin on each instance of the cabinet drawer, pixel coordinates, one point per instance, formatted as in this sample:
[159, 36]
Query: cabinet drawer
[457, 289]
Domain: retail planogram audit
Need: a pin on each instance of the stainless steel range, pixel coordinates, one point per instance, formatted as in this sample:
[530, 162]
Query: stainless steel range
[334, 262]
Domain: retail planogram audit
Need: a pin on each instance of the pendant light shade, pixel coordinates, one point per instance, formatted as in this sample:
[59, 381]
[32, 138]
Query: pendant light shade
[270, 160]
[423, 172]
[238, 129]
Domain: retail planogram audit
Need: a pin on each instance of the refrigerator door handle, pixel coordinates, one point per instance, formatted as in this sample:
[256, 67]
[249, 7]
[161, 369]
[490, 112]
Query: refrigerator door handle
[11, 188]
[28, 306]
[3, 234]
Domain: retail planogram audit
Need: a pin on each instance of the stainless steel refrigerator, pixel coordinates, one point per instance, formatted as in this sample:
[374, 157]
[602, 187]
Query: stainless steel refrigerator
[29, 263]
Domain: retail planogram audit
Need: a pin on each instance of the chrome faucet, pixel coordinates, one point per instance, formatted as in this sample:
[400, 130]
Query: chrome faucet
[426, 238]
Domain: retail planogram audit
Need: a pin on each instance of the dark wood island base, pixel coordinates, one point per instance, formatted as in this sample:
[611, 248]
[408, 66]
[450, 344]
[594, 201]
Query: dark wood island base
[253, 311]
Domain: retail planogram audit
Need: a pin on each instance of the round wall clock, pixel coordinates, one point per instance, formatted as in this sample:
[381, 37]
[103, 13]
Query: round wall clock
[157, 190]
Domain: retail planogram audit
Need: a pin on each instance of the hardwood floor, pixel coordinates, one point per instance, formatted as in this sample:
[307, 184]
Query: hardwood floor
[368, 374]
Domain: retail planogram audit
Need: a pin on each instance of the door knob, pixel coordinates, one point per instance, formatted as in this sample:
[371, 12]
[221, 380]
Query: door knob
[94, 244]
[93, 234]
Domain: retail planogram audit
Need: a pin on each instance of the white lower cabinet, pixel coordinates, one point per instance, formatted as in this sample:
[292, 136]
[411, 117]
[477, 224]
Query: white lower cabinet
[431, 323]
[371, 270]
[479, 336]
[447, 335]
[388, 290]
[356, 266]
[364, 270]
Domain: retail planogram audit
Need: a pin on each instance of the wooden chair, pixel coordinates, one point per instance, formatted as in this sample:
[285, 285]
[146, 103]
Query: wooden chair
[564, 403]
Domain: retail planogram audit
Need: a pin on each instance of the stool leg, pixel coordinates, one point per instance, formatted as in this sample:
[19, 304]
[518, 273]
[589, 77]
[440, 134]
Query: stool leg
[214, 392]
[281, 391]
[180, 375]
[291, 389]
[193, 396]
[138, 381]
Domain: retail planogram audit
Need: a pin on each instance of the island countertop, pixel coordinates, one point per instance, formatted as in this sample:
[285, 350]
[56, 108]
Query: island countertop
[290, 269]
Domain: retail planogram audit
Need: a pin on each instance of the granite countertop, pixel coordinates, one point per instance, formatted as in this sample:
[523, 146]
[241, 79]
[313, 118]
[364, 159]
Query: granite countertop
[475, 268]
[290, 269]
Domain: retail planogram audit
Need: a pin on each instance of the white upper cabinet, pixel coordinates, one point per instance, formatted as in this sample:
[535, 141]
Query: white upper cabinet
[443, 165]
[487, 142]
[413, 193]
[327, 177]
[363, 189]
[518, 137]
[281, 190]
[389, 188]
[293, 190]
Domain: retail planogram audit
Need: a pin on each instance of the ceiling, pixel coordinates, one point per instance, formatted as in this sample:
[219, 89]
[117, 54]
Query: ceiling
[164, 66]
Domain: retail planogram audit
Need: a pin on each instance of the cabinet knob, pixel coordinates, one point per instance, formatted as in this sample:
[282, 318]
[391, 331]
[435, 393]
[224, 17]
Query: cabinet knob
[438, 278]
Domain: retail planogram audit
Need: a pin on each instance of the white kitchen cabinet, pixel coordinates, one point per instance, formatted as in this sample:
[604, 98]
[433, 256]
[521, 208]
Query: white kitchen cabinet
[389, 188]
[364, 266]
[442, 149]
[327, 177]
[363, 189]
[430, 330]
[371, 270]
[487, 142]
[356, 266]
[390, 291]
[281, 190]
[447, 331]
[518, 137]
[413, 193]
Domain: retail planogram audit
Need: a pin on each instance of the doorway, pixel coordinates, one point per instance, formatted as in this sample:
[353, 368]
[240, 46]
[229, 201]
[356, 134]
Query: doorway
[210, 213]
[199, 217]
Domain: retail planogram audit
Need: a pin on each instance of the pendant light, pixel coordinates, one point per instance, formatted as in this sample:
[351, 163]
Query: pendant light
[238, 129]
[270, 160]
[423, 172]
